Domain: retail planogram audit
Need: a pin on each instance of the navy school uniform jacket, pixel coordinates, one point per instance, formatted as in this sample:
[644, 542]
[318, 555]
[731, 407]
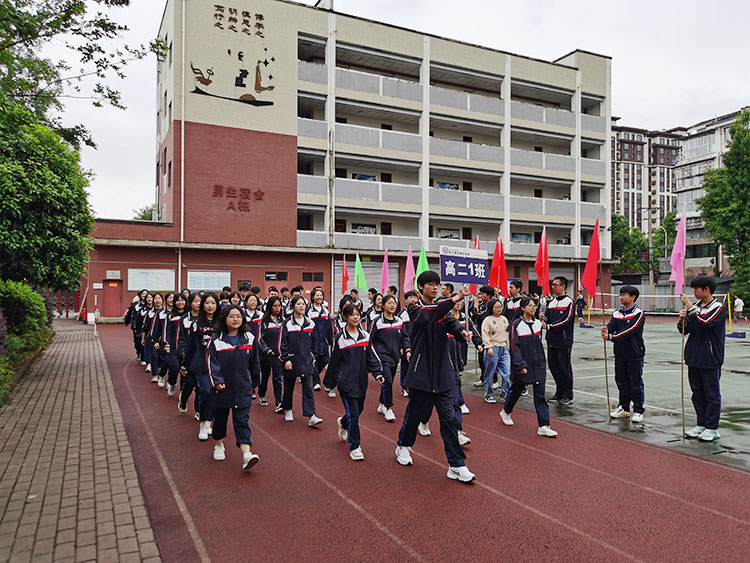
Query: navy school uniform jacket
[705, 329]
[171, 330]
[323, 331]
[270, 334]
[404, 316]
[369, 317]
[512, 308]
[626, 331]
[560, 322]
[338, 324]
[352, 358]
[431, 368]
[182, 335]
[253, 321]
[296, 345]
[154, 321]
[235, 365]
[388, 338]
[459, 348]
[196, 349]
[140, 319]
[527, 351]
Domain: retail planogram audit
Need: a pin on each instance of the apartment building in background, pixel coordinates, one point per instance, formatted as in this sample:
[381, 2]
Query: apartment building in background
[289, 136]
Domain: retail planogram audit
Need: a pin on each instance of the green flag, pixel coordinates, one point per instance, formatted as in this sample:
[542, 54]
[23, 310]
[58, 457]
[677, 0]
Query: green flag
[422, 266]
[359, 276]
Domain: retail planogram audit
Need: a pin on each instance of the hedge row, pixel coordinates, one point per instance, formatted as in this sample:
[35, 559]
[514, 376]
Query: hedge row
[24, 330]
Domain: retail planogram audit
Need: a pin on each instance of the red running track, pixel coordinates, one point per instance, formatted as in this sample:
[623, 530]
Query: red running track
[584, 496]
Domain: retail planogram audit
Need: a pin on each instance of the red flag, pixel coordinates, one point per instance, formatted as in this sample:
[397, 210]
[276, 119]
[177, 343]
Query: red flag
[473, 286]
[541, 266]
[344, 277]
[503, 274]
[588, 279]
[495, 267]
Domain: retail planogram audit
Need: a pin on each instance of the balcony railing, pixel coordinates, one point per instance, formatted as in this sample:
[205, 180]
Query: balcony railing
[378, 138]
[311, 72]
[466, 151]
[541, 160]
[361, 189]
[447, 97]
[540, 114]
[381, 85]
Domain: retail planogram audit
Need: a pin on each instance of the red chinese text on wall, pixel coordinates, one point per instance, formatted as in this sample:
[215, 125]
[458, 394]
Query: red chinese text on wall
[238, 199]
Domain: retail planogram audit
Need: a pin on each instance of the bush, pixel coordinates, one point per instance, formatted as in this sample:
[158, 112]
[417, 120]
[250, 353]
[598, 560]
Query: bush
[3, 333]
[24, 309]
[6, 379]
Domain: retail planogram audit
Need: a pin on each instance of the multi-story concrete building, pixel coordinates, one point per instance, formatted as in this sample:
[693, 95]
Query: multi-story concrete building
[643, 174]
[288, 136]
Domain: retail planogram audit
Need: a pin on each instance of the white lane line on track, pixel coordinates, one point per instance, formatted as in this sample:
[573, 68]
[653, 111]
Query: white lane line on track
[184, 512]
[358, 507]
[516, 501]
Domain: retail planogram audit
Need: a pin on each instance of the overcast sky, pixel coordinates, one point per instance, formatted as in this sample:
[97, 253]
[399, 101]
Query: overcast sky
[674, 64]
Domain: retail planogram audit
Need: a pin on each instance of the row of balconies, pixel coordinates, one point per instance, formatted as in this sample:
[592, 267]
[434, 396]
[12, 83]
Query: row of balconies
[355, 241]
[412, 143]
[366, 83]
[464, 202]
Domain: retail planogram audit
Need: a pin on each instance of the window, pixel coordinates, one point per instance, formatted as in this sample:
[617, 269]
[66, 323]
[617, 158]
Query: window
[638, 157]
[364, 228]
[639, 138]
[275, 276]
[312, 276]
[304, 222]
[169, 173]
[468, 186]
[585, 153]
[341, 120]
[432, 182]
[447, 185]
[447, 233]
[520, 237]
[516, 271]
[340, 226]
[169, 113]
[385, 228]
[627, 146]
[627, 136]
[661, 150]
[466, 233]
[386, 177]
[468, 139]
[661, 160]
[340, 173]
[538, 193]
[538, 149]
[386, 126]
[365, 177]
[170, 53]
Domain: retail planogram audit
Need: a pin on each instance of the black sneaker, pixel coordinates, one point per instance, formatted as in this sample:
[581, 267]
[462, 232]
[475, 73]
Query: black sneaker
[566, 401]
[278, 409]
[263, 401]
[554, 399]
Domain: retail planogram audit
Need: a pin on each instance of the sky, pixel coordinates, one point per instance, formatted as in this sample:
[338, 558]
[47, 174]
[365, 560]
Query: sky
[673, 64]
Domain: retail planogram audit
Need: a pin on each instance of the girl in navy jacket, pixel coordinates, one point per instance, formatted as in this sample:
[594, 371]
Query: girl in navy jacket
[373, 312]
[159, 336]
[142, 326]
[390, 342]
[527, 366]
[152, 335]
[188, 380]
[196, 352]
[322, 336]
[234, 371]
[353, 356]
[170, 336]
[270, 333]
[295, 350]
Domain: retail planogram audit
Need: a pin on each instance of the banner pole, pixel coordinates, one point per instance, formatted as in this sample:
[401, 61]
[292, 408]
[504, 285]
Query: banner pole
[604, 342]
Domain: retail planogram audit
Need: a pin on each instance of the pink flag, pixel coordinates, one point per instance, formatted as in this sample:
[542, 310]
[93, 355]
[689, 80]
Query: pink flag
[473, 286]
[677, 260]
[385, 279]
[409, 274]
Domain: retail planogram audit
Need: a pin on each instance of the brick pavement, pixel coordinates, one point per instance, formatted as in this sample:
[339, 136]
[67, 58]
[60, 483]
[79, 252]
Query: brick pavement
[69, 490]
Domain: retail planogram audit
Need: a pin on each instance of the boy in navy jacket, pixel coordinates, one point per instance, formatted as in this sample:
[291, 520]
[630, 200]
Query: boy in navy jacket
[560, 322]
[625, 330]
[431, 376]
[704, 355]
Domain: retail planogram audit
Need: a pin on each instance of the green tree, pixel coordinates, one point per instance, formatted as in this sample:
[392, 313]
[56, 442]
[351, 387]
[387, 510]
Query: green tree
[144, 213]
[628, 246]
[45, 219]
[725, 210]
[85, 46]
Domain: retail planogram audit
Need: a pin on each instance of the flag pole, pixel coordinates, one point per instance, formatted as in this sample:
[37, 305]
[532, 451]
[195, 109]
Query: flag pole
[604, 342]
[682, 358]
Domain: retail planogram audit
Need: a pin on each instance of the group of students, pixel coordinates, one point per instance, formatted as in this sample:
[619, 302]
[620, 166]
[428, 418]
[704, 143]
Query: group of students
[227, 349]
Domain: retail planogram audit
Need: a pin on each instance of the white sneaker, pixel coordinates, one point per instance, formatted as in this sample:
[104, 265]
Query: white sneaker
[424, 429]
[479, 383]
[148, 368]
[708, 435]
[637, 417]
[619, 412]
[507, 420]
[390, 416]
[249, 460]
[357, 455]
[203, 431]
[491, 400]
[160, 382]
[404, 393]
[316, 387]
[694, 432]
[289, 416]
[219, 452]
[461, 474]
[403, 456]
[314, 420]
[463, 439]
[143, 363]
[155, 379]
[182, 409]
[546, 431]
[465, 409]
[332, 394]
[197, 416]
[381, 408]
[170, 390]
[343, 432]
[208, 427]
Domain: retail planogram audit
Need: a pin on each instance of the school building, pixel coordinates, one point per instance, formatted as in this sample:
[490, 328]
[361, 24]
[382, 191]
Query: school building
[289, 136]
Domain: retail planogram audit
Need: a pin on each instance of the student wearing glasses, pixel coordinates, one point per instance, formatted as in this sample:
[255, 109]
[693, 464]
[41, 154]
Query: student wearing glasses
[560, 322]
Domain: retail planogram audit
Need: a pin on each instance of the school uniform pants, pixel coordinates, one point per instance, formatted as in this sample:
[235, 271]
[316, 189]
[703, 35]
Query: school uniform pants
[137, 344]
[271, 367]
[540, 402]
[629, 380]
[321, 361]
[205, 406]
[404, 369]
[458, 400]
[155, 363]
[561, 369]
[240, 422]
[173, 366]
[420, 408]
[147, 353]
[386, 389]
[308, 397]
[163, 362]
[704, 383]
[353, 407]
[188, 383]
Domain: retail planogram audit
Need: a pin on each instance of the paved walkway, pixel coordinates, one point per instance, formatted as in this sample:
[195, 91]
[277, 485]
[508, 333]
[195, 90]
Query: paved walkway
[69, 490]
